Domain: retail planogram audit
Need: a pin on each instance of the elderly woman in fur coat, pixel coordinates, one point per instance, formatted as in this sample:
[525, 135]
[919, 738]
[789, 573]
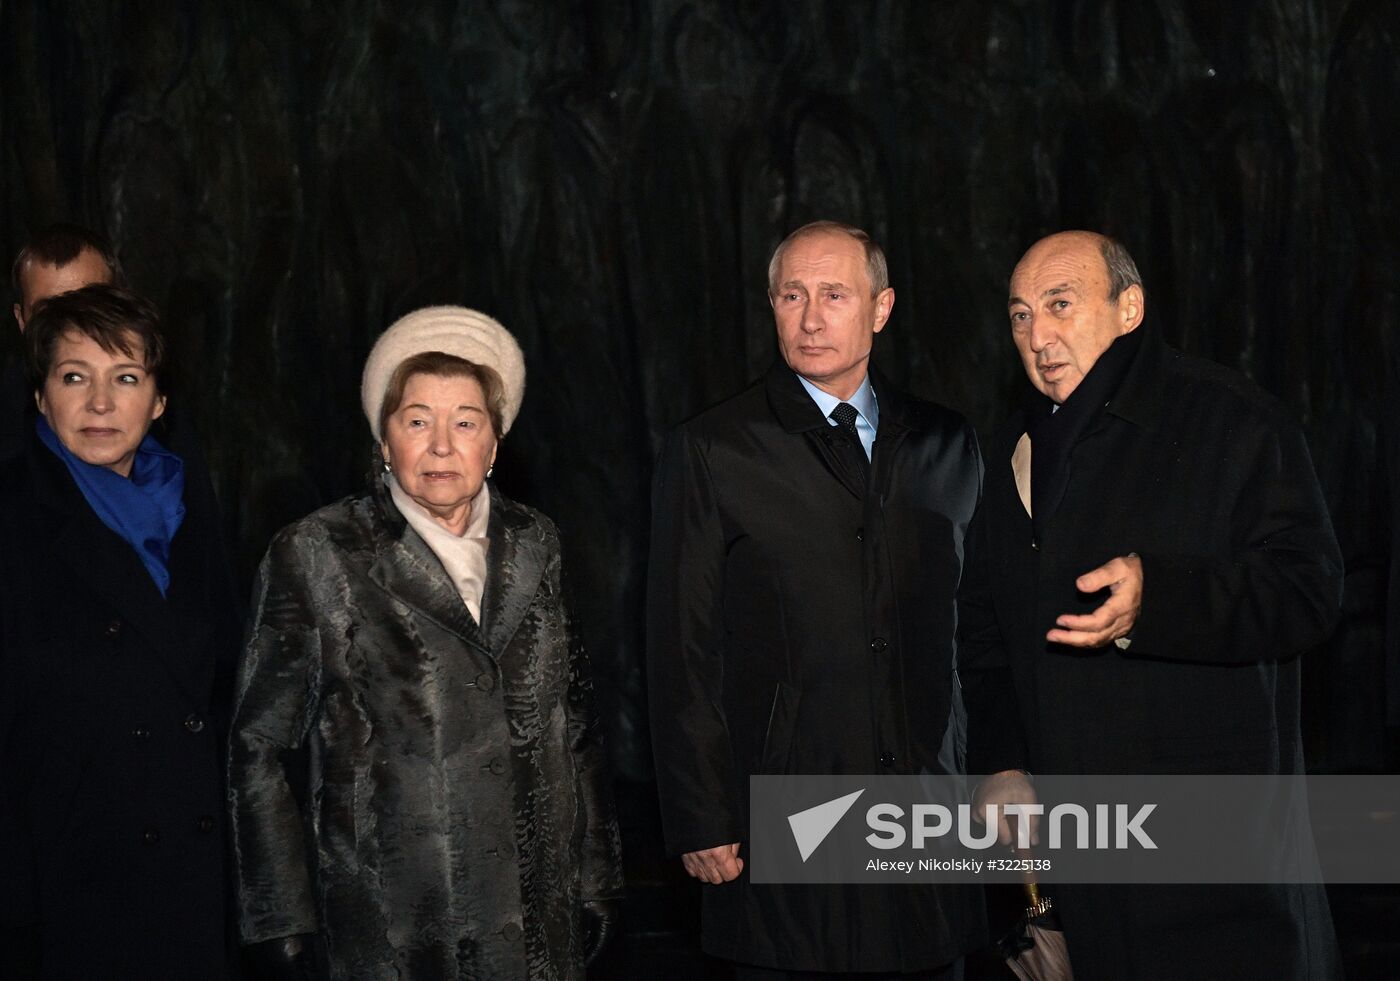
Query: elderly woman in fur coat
[417, 782]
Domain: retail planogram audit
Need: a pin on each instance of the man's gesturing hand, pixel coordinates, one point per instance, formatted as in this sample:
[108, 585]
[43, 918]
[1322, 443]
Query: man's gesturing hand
[1123, 579]
[714, 865]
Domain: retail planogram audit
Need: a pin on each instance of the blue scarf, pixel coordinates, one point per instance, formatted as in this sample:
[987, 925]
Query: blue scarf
[145, 509]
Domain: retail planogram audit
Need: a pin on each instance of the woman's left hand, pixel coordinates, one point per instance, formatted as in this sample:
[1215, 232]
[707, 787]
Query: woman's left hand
[600, 919]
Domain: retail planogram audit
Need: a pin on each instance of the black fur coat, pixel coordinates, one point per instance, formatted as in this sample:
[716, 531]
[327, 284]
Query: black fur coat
[427, 793]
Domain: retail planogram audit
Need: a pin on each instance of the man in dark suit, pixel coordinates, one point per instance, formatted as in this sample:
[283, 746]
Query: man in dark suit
[806, 547]
[1151, 556]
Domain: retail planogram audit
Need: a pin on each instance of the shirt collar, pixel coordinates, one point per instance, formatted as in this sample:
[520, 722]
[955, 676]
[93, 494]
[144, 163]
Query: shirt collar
[863, 401]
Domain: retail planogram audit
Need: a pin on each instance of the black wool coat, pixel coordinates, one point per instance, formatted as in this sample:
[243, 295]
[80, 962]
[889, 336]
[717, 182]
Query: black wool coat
[113, 704]
[801, 621]
[1207, 478]
[428, 793]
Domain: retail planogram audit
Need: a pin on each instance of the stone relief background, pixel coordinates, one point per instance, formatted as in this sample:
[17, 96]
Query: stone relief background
[608, 178]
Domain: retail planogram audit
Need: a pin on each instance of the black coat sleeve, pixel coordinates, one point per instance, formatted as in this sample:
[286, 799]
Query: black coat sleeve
[995, 732]
[600, 861]
[685, 666]
[278, 694]
[1274, 592]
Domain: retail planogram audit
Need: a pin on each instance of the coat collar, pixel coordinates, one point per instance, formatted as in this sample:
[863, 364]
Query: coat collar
[515, 566]
[111, 569]
[903, 411]
[407, 569]
[1142, 395]
[798, 413]
[899, 416]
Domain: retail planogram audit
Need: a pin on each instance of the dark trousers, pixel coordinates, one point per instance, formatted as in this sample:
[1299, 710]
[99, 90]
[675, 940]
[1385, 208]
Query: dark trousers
[948, 972]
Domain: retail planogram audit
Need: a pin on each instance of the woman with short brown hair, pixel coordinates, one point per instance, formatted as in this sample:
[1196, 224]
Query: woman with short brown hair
[118, 634]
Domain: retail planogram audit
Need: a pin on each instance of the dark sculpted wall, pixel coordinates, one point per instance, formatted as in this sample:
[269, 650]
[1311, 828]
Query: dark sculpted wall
[609, 177]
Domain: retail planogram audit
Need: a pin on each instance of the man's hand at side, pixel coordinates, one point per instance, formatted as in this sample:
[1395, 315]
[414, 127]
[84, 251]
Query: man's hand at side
[1001, 789]
[1122, 577]
[714, 865]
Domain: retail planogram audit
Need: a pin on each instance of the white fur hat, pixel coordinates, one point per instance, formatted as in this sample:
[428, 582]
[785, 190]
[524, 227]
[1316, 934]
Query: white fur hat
[459, 331]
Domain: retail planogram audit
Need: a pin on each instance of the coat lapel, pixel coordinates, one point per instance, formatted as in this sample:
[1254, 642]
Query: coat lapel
[896, 420]
[407, 569]
[1142, 396]
[845, 471]
[515, 564]
[797, 413]
[1138, 399]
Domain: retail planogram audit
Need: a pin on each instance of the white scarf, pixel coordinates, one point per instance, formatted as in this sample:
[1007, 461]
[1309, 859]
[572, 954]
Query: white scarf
[464, 556]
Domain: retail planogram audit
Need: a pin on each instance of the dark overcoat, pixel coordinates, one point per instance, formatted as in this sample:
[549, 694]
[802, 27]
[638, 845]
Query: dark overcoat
[802, 621]
[112, 711]
[426, 792]
[1204, 476]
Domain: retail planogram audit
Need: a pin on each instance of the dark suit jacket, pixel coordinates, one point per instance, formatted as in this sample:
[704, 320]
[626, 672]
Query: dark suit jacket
[112, 712]
[1208, 480]
[802, 622]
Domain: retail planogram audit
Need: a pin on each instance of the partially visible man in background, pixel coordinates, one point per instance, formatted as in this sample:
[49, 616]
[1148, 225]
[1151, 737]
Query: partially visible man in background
[58, 259]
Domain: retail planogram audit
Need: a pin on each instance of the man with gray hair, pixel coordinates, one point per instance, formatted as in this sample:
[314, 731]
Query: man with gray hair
[1151, 557]
[806, 548]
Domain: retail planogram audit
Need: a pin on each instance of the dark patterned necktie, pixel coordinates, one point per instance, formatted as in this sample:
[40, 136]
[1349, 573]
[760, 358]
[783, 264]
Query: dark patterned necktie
[845, 416]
